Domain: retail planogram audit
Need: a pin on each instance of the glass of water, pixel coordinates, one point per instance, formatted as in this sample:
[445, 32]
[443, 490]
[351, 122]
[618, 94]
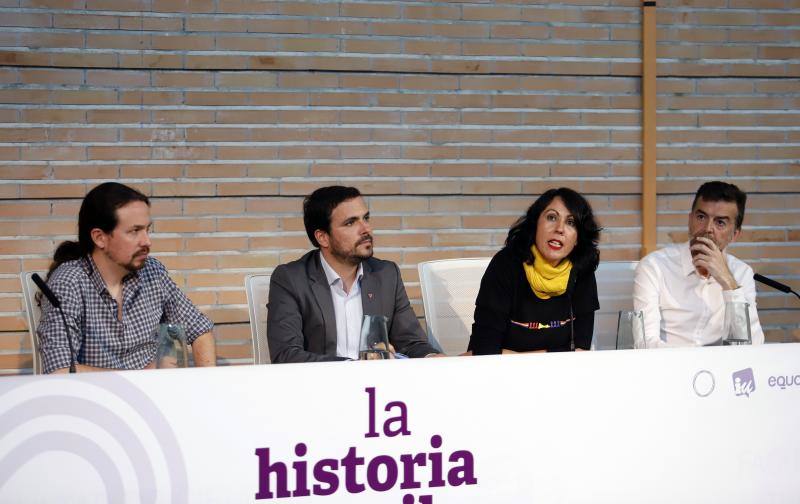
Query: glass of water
[172, 351]
[374, 343]
[737, 323]
[630, 330]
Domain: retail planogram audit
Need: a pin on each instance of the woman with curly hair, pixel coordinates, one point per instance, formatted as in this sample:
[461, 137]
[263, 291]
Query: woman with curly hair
[539, 292]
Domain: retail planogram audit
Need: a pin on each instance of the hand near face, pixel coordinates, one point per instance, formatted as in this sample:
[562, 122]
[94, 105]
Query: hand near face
[707, 256]
[713, 226]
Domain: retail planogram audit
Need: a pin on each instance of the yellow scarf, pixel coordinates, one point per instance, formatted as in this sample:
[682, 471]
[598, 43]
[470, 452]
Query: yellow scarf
[547, 281]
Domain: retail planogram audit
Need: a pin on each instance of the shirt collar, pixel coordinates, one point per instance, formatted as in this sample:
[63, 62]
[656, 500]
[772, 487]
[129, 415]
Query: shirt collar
[94, 274]
[332, 277]
[97, 279]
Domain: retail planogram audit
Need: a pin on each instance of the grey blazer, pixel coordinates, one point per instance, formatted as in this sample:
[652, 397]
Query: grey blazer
[301, 325]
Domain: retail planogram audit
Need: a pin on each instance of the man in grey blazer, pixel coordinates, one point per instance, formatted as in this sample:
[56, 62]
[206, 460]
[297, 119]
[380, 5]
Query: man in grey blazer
[316, 303]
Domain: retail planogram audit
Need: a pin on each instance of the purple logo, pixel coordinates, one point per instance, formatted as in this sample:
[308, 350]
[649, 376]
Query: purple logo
[743, 382]
[84, 406]
[383, 472]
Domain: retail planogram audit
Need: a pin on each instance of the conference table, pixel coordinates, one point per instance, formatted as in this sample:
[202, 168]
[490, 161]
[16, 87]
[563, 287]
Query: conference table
[719, 424]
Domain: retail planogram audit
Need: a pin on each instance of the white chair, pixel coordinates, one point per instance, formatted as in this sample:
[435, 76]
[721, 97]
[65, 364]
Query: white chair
[257, 288]
[449, 288]
[615, 292]
[34, 314]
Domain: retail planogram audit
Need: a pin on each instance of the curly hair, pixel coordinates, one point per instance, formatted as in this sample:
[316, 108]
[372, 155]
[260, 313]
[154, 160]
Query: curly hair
[585, 256]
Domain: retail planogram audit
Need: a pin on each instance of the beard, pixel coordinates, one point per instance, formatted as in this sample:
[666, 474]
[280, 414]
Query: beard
[352, 256]
[136, 262]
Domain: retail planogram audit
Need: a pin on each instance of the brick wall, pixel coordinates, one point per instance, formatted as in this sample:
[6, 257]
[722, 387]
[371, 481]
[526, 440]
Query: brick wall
[450, 116]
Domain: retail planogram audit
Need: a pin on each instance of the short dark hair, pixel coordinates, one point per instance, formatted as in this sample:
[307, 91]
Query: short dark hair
[585, 256]
[723, 191]
[98, 210]
[318, 206]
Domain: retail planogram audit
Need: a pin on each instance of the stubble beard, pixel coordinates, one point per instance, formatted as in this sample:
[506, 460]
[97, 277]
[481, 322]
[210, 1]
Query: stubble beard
[353, 257]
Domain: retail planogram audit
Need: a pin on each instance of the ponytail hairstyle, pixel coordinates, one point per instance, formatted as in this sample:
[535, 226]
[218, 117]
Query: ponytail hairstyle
[98, 210]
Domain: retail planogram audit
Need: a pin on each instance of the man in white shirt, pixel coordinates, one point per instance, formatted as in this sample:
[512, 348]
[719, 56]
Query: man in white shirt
[682, 289]
[317, 302]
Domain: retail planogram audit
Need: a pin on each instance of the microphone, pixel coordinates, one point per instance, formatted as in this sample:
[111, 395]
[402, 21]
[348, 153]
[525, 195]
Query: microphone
[774, 284]
[51, 296]
[46, 290]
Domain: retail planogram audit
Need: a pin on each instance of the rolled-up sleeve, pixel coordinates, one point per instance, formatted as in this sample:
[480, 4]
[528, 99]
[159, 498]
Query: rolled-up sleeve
[53, 344]
[178, 309]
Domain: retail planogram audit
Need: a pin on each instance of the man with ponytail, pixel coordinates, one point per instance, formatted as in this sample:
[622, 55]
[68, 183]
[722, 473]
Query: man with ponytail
[114, 295]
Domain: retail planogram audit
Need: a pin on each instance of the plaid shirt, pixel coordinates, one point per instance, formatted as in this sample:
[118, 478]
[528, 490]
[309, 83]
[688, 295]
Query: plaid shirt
[100, 339]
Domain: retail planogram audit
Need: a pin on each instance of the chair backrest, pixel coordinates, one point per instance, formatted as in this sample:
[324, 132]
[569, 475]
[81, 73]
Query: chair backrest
[34, 314]
[615, 292]
[257, 288]
[449, 288]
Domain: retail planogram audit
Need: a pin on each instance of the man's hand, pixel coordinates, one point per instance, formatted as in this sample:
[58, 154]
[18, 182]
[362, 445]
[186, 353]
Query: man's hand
[712, 259]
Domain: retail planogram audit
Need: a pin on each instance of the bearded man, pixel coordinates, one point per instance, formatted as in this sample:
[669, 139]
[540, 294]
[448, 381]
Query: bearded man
[113, 294]
[316, 303]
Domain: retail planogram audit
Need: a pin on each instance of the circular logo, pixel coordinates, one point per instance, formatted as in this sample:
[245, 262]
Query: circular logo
[703, 383]
[123, 426]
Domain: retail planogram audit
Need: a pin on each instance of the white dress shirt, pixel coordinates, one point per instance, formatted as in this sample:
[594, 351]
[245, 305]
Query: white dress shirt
[348, 310]
[680, 307]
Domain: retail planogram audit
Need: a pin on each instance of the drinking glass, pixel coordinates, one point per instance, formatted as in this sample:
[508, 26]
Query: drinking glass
[172, 351]
[630, 330]
[736, 327]
[374, 343]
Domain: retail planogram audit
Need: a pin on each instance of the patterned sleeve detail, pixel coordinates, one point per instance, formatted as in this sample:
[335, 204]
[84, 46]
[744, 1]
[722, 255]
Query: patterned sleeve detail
[51, 332]
[178, 309]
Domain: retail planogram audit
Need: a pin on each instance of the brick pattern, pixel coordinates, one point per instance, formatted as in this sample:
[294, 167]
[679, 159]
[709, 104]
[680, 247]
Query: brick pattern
[586, 38]
[744, 130]
[450, 116]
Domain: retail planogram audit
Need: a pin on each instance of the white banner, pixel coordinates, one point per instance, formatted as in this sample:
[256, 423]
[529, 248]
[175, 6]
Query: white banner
[680, 425]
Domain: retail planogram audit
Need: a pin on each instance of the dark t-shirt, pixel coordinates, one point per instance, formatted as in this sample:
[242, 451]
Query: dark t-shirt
[505, 297]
